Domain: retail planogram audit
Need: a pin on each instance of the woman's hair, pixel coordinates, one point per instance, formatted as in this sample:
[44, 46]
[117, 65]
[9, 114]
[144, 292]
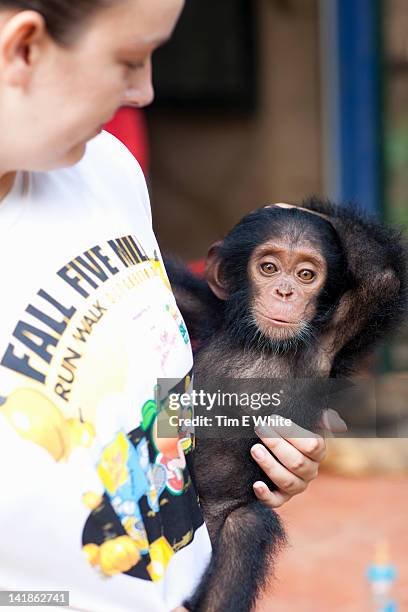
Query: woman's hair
[62, 17]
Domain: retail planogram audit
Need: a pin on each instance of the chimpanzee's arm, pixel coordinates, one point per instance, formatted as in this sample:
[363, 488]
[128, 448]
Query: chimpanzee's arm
[377, 302]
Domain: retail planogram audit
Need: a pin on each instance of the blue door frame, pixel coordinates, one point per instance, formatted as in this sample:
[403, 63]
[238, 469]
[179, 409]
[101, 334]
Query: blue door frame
[351, 56]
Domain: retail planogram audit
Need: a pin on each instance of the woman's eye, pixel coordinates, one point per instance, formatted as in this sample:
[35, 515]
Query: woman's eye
[268, 268]
[306, 275]
[133, 65]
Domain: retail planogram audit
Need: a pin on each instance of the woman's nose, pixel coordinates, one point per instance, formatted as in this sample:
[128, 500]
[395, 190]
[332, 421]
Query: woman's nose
[141, 92]
[139, 96]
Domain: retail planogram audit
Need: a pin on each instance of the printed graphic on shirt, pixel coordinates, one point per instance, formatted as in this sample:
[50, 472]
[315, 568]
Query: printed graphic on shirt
[149, 509]
[74, 375]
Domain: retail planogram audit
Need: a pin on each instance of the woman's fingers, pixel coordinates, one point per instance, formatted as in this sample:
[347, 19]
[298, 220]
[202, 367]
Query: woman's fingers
[282, 474]
[306, 442]
[290, 457]
[332, 421]
[271, 499]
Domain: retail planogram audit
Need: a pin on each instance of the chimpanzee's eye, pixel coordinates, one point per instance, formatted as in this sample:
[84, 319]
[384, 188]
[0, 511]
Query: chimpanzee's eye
[306, 275]
[268, 267]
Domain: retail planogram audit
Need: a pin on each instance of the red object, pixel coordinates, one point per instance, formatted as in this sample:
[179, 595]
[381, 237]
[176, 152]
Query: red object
[129, 126]
[197, 267]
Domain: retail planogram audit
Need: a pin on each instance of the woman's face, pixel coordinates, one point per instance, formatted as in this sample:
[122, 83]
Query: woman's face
[54, 99]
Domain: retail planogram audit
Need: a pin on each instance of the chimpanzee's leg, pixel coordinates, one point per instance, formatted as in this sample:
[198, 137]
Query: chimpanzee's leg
[242, 559]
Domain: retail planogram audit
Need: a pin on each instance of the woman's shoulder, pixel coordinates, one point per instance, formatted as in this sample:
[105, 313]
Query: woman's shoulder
[106, 149]
[108, 163]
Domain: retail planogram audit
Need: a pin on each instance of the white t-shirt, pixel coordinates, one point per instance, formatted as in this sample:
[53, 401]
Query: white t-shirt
[92, 500]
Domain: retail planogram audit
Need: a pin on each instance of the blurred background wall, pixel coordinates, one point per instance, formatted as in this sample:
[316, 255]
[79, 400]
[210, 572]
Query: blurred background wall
[395, 25]
[211, 165]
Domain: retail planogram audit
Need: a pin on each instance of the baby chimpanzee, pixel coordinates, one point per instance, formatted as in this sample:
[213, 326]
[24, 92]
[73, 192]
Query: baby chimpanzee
[291, 292]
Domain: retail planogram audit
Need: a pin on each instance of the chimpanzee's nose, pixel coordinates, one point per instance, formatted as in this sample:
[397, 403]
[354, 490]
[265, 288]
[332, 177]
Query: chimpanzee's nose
[284, 290]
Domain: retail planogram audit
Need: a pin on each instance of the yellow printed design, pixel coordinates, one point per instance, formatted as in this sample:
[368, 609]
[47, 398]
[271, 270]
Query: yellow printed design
[159, 268]
[113, 556]
[92, 500]
[160, 554]
[112, 468]
[36, 418]
[137, 532]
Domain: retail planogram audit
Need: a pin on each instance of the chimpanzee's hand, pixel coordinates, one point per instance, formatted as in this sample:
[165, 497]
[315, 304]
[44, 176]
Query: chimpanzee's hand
[293, 460]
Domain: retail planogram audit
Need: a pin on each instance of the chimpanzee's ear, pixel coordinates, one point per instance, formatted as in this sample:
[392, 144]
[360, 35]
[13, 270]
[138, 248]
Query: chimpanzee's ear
[213, 273]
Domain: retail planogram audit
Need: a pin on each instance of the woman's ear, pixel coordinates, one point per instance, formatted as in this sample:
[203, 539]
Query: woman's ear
[213, 272]
[21, 38]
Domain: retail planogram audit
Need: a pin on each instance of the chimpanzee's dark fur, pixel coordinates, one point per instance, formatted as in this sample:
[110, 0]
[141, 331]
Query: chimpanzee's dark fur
[366, 262]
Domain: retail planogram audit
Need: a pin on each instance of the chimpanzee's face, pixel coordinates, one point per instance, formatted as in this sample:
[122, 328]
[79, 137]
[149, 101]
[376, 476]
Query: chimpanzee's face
[281, 272]
[286, 277]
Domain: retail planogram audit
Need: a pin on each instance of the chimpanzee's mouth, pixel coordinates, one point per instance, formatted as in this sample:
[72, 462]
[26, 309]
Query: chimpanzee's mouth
[283, 321]
[279, 322]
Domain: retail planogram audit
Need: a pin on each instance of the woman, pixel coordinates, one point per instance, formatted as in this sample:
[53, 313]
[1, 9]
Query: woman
[94, 502]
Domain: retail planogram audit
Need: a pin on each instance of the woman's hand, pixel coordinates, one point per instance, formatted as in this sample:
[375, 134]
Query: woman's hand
[293, 460]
